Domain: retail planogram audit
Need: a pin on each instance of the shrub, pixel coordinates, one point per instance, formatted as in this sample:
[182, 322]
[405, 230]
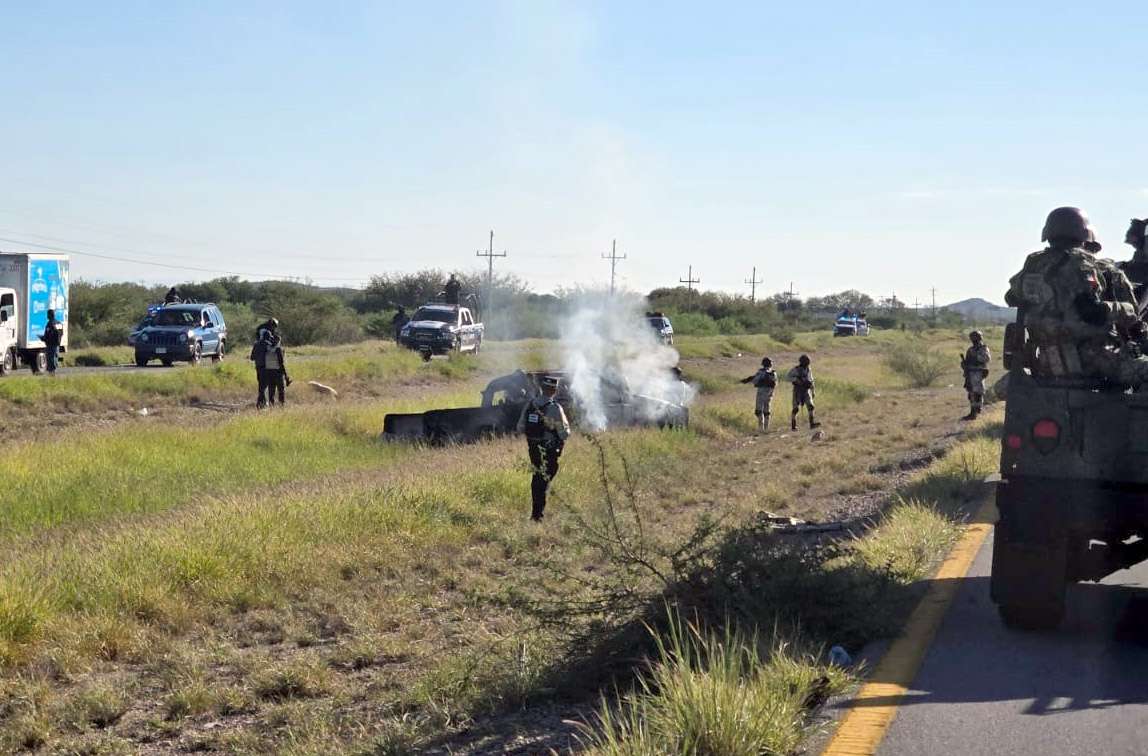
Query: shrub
[917, 363]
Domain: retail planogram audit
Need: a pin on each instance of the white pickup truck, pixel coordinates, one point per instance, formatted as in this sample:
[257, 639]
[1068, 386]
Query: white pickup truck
[442, 329]
[30, 285]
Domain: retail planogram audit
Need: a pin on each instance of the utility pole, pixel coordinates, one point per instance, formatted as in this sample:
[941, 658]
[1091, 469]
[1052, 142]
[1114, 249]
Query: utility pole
[933, 291]
[689, 281]
[789, 295]
[753, 282]
[613, 258]
[489, 254]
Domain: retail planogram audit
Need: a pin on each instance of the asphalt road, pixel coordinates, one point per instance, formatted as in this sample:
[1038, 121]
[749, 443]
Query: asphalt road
[984, 689]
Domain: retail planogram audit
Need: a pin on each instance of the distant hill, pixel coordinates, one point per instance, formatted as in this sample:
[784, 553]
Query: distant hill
[982, 311]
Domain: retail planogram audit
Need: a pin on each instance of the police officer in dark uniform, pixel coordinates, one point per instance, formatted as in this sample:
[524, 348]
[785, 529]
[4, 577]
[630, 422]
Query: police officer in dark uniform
[546, 428]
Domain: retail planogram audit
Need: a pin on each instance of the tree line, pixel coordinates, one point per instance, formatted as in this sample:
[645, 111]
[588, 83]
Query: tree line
[102, 314]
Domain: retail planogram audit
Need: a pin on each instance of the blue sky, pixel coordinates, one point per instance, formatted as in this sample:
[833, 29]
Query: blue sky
[892, 148]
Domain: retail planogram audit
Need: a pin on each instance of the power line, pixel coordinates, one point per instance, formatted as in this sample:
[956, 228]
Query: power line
[613, 258]
[753, 282]
[136, 261]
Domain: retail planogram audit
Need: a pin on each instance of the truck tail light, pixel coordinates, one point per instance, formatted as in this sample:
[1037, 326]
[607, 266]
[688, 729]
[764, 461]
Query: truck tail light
[1045, 435]
[1013, 441]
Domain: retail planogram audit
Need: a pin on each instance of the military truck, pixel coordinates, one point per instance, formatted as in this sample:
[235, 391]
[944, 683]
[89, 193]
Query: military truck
[504, 399]
[1073, 495]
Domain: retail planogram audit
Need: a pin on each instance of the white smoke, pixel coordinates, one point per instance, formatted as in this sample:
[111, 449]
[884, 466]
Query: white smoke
[617, 365]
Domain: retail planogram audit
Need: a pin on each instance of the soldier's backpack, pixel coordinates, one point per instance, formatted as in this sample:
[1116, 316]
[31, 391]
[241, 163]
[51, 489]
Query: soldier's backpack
[536, 426]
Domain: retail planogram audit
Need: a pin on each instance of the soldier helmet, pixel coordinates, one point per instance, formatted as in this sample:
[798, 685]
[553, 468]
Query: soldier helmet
[803, 360]
[1068, 224]
[766, 362]
[976, 336]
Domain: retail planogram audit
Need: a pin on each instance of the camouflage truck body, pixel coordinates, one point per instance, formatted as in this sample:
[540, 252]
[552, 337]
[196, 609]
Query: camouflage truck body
[1073, 496]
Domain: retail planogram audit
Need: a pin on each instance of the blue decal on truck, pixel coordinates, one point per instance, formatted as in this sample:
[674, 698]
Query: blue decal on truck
[47, 290]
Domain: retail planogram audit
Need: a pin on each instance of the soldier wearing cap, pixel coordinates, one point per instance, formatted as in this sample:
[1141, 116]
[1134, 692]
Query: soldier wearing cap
[975, 365]
[765, 381]
[1077, 309]
[546, 428]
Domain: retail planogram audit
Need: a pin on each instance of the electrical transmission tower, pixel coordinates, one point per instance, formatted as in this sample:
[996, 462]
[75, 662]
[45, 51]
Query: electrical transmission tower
[613, 258]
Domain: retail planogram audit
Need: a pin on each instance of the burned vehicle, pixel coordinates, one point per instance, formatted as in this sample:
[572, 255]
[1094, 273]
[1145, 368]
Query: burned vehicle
[1073, 495]
[505, 397]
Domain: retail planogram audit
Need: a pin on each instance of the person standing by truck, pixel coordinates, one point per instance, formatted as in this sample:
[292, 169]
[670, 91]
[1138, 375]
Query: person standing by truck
[398, 321]
[53, 336]
[546, 428]
[765, 381]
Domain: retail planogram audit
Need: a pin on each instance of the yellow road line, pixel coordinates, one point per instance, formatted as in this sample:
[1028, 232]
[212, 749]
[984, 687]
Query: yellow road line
[864, 727]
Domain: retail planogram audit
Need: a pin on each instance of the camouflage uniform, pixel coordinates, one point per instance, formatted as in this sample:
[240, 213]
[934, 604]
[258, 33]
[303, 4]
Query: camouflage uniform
[1076, 308]
[975, 365]
[803, 390]
[765, 380]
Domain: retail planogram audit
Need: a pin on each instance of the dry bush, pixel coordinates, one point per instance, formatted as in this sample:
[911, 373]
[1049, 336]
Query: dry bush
[920, 365]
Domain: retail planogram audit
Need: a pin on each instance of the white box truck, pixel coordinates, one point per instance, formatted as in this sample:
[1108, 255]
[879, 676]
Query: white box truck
[30, 285]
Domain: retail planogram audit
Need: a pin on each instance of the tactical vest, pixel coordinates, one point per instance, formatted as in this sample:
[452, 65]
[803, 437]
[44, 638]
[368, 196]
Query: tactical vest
[536, 425]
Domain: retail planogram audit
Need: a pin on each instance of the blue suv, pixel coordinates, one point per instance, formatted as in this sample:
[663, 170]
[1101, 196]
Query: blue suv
[183, 333]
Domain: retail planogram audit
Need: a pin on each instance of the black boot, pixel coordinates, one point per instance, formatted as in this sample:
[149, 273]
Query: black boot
[813, 423]
[793, 422]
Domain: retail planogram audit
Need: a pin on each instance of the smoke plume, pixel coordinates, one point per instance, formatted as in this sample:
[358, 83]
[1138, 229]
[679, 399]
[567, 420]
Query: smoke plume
[611, 353]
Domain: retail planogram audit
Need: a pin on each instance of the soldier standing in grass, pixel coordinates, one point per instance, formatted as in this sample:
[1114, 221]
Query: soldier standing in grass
[765, 381]
[270, 367]
[975, 365]
[544, 424]
[802, 379]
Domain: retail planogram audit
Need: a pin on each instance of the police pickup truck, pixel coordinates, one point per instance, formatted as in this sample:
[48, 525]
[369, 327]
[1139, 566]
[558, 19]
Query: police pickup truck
[442, 329]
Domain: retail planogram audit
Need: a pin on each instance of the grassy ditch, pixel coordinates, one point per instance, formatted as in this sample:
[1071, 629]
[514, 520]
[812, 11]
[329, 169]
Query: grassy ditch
[331, 598]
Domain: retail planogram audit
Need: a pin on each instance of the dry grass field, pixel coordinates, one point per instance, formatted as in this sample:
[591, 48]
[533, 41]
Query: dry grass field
[283, 582]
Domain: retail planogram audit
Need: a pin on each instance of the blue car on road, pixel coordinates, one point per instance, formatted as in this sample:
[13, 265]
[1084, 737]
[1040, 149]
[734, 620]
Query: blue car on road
[182, 333]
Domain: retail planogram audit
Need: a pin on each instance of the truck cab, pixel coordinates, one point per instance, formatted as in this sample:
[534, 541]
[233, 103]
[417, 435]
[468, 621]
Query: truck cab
[441, 329]
[182, 333]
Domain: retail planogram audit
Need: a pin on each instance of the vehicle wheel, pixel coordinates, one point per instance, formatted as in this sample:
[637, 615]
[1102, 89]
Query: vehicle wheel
[1032, 617]
[141, 361]
[7, 362]
[218, 356]
[167, 363]
[196, 354]
[39, 363]
[478, 345]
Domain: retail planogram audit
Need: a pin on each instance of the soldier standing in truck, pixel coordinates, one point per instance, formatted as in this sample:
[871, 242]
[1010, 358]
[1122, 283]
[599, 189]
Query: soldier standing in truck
[975, 366]
[765, 381]
[1136, 269]
[546, 428]
[1077, 310]
[452, 290]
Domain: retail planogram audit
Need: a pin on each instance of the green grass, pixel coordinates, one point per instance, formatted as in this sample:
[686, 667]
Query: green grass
[725, 693]
[149, 466]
